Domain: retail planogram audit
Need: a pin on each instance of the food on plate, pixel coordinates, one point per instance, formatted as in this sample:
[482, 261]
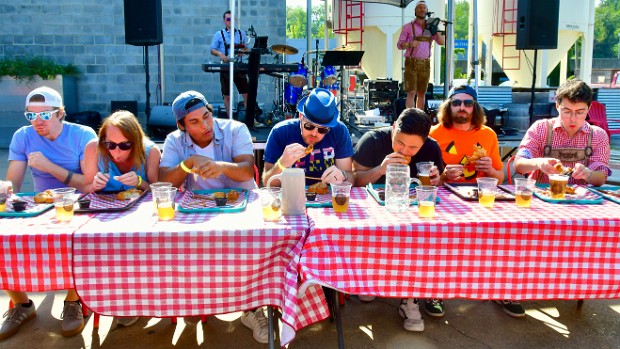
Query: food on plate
[309, 149]
[232, 195]
[44, 197]
[19, 205]
[319, 188]
[479, 152]
[128, 194]
[570, 190]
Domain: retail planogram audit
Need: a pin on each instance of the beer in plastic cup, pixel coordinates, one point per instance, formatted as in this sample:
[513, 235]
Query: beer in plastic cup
[340, 196]
[64, 200]
[157, 185]
[524, 189]
[164, 200]
[427, 196]
[271, 202]
[487, 187]
[424, 172]
[557, 185]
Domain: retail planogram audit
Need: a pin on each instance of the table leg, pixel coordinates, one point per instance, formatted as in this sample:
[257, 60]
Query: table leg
[338, 317]
[270, 326]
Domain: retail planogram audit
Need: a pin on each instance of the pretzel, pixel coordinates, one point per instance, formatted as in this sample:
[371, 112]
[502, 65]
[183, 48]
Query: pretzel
[319, 188]
[309, 149]
[479, 152]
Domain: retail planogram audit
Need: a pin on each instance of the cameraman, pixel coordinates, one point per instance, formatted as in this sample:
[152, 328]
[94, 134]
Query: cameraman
[416, 39]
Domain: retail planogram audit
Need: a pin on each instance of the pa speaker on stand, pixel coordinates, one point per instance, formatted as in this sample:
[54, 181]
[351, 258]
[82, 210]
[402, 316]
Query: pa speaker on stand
[537, 24]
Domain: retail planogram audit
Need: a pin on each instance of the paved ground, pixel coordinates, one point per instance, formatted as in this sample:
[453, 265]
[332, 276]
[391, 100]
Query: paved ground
[467, 324]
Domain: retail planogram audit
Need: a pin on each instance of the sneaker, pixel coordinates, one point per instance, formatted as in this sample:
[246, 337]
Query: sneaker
[72, 319]
[410, 311]
[15, 317]
[512, 308]
[126, 321]
[434, 308]
[365, 298]
[257, 322]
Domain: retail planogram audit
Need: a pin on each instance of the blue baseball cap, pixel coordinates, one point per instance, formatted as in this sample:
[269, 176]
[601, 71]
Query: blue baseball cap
[320, 107]
[463, 89]
[181, 106]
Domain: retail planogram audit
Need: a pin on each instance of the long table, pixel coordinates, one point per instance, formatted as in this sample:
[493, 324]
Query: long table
[130, 264]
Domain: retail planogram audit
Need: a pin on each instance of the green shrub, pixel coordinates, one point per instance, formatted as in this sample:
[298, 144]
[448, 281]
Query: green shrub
[27, 68]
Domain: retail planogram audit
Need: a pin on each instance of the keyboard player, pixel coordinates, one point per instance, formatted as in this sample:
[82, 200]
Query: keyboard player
[219, 47]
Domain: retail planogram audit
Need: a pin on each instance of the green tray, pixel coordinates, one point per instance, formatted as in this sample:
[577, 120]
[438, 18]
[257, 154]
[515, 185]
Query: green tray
[31, 210]
[607, 191]
[376, 191]
[590, 197]
[190, 204]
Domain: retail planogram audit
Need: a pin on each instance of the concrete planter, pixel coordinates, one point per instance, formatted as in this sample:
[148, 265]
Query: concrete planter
[13, 98]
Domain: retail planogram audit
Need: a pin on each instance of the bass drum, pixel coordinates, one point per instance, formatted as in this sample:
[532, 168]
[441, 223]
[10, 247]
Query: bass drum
[328, 76]
[292, 94]
[299, 78]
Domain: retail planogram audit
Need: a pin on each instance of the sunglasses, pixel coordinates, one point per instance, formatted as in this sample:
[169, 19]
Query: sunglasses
[121, 145]
[44, 115]
[457, 103]
[321, 130]
[227, 19]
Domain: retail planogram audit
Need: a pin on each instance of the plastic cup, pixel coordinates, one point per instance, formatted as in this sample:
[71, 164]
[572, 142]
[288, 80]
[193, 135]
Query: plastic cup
[524, 189]
[487, 187]
[158, 185]
[340, 196]
[164, 201]
[64, 200]
[557, 185]
[427, 196]
[424, 172]
[271, 202]
[4, 195]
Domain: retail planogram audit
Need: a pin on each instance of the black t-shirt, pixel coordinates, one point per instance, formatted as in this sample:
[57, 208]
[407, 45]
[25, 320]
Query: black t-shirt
[375, 145]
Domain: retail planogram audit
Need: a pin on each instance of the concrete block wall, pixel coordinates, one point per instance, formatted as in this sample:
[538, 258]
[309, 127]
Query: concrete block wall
[91, 35]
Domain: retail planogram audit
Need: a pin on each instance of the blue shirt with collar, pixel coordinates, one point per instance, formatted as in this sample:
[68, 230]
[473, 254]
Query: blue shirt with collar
[231, 138]
[219, 44]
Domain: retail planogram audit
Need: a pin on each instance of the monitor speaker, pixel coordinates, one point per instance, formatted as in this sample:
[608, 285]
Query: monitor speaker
[130, 106]
[537, 24]
[143, 22]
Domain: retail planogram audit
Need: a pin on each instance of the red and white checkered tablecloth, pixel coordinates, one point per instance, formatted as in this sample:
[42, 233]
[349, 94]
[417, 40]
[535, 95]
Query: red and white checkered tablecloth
[549, 251]
[129, 264]
[36, 252]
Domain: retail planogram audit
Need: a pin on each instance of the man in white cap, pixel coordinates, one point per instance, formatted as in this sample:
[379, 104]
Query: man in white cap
[218, 153]
[416, 40]
[59, 154]
[316, 142]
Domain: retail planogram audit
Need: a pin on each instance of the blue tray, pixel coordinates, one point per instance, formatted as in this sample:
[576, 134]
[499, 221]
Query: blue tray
[589, 197]
[377, 191]
[322, 200]
[200, 201]
[31, 210]
[609, 192]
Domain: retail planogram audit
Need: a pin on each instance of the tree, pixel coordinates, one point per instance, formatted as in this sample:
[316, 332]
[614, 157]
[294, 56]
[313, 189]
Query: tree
[606, 29]
[461, 19]
[296, 22]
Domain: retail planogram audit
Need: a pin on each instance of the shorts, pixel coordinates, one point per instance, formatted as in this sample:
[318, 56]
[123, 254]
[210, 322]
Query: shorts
[240, 79]
[417, 74]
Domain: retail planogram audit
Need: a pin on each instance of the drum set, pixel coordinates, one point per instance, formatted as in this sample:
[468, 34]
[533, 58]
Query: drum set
[294, 86]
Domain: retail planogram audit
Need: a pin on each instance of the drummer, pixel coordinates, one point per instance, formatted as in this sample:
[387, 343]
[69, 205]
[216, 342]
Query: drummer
[220, 47]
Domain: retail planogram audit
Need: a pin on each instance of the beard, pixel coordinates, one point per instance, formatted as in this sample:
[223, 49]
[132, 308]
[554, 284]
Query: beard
[461, 118]
[420, 17]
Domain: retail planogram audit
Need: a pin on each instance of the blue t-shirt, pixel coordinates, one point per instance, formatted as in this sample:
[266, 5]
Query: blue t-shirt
[66, 151]
[335, 145]
[113, 170]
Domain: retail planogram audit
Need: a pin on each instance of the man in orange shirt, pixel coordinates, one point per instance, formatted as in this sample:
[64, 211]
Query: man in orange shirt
[462, 127]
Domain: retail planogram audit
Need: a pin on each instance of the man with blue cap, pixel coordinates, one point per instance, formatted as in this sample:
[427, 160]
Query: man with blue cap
[316, 142]
[217, 152]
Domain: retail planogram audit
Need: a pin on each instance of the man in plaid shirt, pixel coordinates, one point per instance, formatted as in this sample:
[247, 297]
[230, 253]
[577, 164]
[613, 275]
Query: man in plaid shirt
[568, 140]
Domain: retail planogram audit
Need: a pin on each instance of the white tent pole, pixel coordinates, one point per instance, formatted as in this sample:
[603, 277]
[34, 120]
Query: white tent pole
[231, 56]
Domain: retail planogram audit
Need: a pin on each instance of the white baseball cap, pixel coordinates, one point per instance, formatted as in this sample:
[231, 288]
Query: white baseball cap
[50, 96]
[420, 2]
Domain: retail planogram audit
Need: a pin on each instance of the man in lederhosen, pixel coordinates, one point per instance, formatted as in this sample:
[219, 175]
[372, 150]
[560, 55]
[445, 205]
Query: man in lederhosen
[416, 39]
[567, 139]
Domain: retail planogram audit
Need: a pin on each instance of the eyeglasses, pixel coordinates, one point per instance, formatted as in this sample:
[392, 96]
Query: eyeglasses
[227, 19]
[457, 103]
[44, 115]
[121, 145]
[579, 114]
[310, 127]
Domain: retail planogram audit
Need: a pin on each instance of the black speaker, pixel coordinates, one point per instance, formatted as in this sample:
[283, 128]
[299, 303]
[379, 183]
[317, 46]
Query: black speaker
[143, 22]
[130, 106]
[537, 24]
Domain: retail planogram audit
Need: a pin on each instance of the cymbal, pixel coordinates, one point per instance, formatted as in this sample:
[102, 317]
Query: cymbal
[344, 48]
[284, 49]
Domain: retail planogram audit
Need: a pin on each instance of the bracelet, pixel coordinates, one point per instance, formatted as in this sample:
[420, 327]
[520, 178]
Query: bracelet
[68, 179]
[280, 166]
[139, 181]
[185, 168]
